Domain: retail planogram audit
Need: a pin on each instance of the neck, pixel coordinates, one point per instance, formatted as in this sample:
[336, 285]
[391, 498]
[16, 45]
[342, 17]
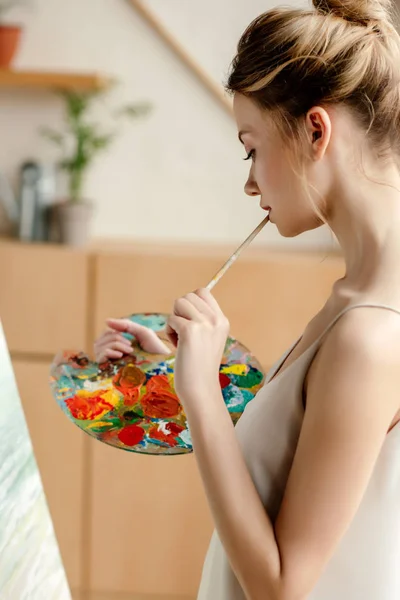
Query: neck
[366, 221]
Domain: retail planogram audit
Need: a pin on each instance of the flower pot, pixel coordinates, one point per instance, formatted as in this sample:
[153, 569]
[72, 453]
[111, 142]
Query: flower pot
[74, 222]
[10, 37]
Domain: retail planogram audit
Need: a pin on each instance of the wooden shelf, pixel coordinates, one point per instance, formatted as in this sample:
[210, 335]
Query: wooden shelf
[51, 80]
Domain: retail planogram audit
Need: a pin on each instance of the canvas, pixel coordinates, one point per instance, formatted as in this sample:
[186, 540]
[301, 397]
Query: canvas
[30, 561]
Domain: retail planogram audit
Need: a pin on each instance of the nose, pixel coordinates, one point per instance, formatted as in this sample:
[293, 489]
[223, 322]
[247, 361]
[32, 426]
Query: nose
[251, 188]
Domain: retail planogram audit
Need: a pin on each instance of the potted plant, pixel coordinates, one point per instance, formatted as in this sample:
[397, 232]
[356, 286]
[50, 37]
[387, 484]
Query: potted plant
[80, 142]
[10, 35]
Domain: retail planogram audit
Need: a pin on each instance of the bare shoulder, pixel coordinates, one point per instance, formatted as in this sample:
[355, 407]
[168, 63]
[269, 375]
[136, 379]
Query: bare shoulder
[370, 333]
[360, 354]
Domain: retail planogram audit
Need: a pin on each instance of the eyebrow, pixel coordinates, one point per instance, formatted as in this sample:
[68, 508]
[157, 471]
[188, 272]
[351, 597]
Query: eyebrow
[241, 133]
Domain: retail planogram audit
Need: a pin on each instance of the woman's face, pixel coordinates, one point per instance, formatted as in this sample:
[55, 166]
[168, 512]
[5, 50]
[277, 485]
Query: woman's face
[272, 171]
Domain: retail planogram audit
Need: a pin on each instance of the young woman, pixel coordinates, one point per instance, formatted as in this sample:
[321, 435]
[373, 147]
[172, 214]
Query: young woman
[305, 492]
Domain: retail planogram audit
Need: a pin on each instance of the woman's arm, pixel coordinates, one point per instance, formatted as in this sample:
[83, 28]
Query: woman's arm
[353, 395]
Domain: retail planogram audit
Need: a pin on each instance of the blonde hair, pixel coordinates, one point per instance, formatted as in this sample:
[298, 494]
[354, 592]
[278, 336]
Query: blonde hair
[339, 52]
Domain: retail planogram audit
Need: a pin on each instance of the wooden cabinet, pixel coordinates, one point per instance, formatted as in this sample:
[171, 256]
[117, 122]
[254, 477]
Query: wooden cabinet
[150, 523]
[43, 298]
[139, 281]
[270, 300]
[130, 525]
[268, 297]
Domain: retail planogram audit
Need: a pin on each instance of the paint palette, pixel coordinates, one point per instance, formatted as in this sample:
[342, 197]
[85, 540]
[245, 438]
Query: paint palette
[131, 403]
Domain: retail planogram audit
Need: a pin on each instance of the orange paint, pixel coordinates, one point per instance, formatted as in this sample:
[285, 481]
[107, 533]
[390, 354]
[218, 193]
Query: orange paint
[158, 382]
[88, 408]
[131, 396]
[128, 381]
[160, 404]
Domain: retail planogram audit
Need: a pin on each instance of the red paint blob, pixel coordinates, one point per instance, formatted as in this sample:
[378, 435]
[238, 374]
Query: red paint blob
[131, 435]
[173, 430]
[224, 380]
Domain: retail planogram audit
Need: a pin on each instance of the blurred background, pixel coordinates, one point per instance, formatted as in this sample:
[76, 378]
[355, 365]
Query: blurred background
[121, 188]
[175, 174]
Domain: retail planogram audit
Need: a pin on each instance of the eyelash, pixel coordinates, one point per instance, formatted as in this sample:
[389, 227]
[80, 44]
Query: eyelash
[250, 155]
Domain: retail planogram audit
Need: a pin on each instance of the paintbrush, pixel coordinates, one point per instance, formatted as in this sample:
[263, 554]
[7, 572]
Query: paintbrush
[236, 254]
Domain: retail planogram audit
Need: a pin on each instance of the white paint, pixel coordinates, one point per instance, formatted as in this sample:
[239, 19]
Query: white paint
[177, 175]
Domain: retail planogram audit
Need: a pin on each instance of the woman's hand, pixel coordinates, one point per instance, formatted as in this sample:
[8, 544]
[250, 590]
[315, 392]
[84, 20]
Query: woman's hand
[112, 345]
[199, 329]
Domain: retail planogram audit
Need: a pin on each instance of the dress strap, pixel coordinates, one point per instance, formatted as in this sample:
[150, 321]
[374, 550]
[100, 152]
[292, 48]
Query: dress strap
[276, 370]
[351, 307]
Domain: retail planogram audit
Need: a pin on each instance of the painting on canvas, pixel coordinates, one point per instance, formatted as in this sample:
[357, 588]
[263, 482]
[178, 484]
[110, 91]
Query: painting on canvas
[30, 561]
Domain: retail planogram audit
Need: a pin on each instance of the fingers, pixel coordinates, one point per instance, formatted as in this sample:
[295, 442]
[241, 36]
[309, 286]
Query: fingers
[111, 345]
[175, 328]
[219, 317]
[122, 325]
[193, 307]
[200, 306]
[186, 308]
[151, 343]
[109, 354]
[115, 341]
[112, 337]
[147, 338]
[123, 347]
[172, 335]
[208, 299]
[203, 300]
[197, 307]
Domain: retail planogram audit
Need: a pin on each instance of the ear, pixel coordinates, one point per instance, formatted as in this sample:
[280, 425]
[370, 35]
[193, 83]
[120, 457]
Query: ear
[319, 127]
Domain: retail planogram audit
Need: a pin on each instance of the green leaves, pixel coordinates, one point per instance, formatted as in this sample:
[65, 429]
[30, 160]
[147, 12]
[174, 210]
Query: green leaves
[83, 139]
[100, 142]
[77, 103]
[53, 136]
[134, 111]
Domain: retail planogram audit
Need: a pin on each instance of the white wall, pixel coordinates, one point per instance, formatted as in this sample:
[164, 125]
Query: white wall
[177, 175]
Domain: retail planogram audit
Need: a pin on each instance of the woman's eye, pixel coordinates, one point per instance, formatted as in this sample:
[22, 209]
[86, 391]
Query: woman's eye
[250, 155]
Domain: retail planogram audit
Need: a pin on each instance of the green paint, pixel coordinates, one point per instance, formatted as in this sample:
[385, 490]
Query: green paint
[250, 380]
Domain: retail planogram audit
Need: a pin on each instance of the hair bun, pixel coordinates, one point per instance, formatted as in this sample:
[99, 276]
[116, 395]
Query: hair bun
[362, 12]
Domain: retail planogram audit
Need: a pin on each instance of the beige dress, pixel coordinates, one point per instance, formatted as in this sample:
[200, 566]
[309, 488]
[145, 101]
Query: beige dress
[366, 564]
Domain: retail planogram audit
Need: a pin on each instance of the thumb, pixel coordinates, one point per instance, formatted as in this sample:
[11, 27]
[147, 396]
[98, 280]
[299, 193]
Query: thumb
[147, 338]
